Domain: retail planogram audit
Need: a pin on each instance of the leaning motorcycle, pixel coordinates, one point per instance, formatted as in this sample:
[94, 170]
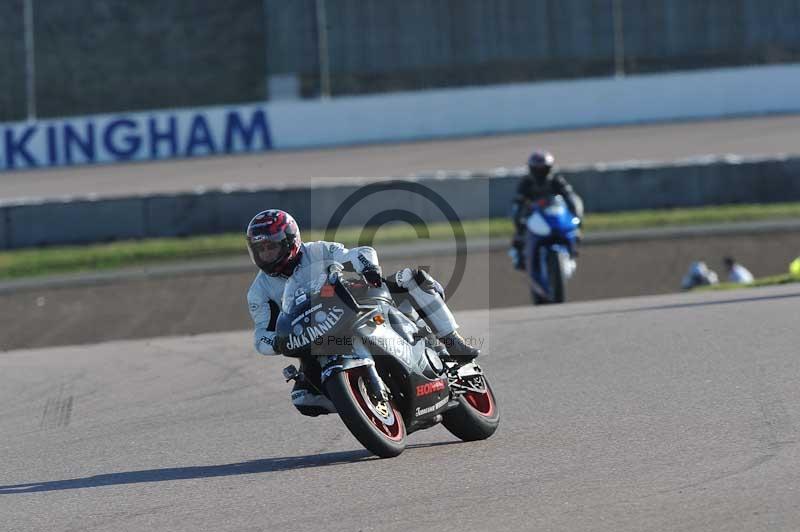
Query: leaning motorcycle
[550, 249]
[385, 373]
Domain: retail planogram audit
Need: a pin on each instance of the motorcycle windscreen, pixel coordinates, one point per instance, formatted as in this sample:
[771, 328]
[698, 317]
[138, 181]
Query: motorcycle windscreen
[305, 283]
[538, 225]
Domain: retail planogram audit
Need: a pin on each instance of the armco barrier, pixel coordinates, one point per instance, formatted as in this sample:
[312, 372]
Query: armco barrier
[4, 230]
[605, 188]
[74, 222]
[691, 183]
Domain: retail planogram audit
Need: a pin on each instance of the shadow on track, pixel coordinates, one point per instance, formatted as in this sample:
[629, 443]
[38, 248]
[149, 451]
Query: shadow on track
[268, 465]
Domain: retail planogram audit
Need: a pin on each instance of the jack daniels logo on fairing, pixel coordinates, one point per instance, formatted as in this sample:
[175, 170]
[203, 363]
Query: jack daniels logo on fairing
[323, 322]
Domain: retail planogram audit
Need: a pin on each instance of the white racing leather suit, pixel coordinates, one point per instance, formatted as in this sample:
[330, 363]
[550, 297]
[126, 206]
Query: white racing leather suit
[264, 295]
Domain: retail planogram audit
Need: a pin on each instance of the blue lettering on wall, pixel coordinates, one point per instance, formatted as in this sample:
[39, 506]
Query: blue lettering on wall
[52, 146]
[86, 143]
[234, 127]
[131, 141]
[152, 136]
[19, 147]
[199, 136]
[170, 136]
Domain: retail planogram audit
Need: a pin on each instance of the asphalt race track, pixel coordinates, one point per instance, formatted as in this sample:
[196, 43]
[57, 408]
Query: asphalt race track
[661, 142]
[676, 412]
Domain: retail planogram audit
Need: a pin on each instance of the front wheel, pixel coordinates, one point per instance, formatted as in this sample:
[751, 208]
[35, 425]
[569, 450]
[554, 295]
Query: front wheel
[477, 416]
[556, 277]
[376, 424]
[541, 291]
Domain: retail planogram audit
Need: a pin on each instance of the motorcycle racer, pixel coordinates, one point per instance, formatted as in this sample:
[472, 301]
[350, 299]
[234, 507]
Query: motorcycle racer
[276, 248]
[541, 181]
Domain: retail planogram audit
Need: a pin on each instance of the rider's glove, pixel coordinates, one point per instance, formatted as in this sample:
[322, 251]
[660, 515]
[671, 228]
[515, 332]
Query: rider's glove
[279, 344]
[372, 275]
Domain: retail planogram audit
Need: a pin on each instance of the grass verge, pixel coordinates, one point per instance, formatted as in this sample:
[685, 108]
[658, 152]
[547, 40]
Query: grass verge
[55, 260]
[763, 281]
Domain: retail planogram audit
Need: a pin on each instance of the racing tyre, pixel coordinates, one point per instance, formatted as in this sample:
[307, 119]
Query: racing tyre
[555, 274]
[476, 417]
[376, 424]
[537, 299]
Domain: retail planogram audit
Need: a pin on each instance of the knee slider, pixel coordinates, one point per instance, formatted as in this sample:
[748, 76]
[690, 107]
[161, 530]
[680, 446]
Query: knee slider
[403, 278]
[428, 283]
[408, 278]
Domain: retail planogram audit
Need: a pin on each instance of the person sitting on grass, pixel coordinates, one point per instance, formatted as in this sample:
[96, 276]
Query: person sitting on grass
[736, 272]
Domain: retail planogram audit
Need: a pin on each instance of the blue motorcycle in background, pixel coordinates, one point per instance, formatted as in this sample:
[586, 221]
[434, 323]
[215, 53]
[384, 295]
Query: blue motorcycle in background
[552, 237]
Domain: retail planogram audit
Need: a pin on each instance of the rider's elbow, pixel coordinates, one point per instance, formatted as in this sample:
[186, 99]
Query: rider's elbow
[366, 257]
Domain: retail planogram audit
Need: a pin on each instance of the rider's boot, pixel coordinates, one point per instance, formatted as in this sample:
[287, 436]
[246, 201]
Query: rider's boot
[307, 396]
[517, 252]
[310, 402]
[458, 348]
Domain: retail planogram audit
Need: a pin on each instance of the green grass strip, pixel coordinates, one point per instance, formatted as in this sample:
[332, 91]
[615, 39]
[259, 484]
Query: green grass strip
[693, 216]
[55, 260]
[771, 280]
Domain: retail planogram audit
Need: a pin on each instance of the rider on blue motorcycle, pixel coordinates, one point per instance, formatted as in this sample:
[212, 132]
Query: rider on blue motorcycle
[540, 182]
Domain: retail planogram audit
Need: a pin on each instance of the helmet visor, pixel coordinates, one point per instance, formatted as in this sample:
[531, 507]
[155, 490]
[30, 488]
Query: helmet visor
[267, 251]
[541, 172]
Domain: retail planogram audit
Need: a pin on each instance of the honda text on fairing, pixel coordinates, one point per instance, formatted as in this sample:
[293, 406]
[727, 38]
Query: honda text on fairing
[552, 234]
[386, 375]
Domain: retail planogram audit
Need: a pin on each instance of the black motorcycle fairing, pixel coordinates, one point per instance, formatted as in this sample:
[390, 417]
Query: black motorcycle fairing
[421, 391]
[341, 363]
[305, 332]
[366, 294]
[401, 324]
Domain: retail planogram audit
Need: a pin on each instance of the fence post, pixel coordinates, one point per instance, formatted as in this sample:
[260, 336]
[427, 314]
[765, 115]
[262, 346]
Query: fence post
[322, 48]
[619, 39]
[30, 60]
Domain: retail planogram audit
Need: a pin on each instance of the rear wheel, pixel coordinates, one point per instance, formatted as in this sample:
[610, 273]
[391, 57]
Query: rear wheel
[477, 416]
[376, 424]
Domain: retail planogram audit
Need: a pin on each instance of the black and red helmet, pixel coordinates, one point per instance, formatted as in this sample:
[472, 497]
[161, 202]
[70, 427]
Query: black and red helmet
[273, 240]
[540, 163]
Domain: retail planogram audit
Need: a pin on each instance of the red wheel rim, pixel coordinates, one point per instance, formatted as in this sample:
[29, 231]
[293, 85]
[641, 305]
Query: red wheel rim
[393, 430]
[482, 402]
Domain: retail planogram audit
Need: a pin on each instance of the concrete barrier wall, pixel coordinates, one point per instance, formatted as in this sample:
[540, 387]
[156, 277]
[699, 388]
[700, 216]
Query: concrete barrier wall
[425, 199]
[400, 116]
[524, 107]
